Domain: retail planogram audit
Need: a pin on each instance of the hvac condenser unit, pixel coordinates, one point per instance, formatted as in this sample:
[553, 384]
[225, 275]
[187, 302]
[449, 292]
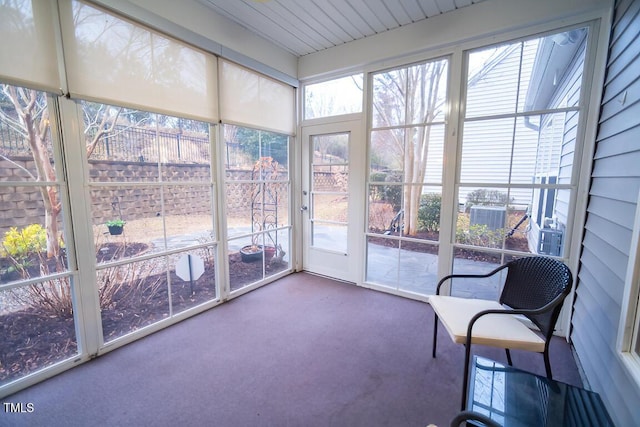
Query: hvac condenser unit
[491, 216]
[550, 242]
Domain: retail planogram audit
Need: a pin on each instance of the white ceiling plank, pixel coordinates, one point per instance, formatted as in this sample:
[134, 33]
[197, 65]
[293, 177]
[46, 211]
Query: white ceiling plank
[318, 11]
[262, 25]
[275, 33]
[413, 9]
[446, 5]
[429, 7]
[398, 12]
[309, 12]
[382, 12]
[351, 15]
[299, 28]
[337, 13]
[363, 9]
[308, 26]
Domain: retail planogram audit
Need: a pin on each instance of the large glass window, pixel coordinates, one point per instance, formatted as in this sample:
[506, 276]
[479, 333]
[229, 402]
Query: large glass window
[257, 186]
[405, 176]
[150, 215]
[37, 266]
[519, 140]
[334, 97]
[152, 204]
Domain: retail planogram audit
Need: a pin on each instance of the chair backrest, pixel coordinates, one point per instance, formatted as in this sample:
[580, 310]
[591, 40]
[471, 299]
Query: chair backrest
[532, 283]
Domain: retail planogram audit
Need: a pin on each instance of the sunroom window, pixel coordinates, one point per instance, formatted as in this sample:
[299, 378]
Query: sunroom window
[257, 204]
[38, 275]
[405, 176]
[152, 208]
[517, 175]
[334, 97]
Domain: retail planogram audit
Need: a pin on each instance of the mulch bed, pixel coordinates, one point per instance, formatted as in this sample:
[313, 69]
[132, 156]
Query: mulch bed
[30, 340]
[516, 243]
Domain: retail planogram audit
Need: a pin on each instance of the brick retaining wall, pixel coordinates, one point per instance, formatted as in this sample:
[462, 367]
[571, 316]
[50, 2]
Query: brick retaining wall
[20, 205]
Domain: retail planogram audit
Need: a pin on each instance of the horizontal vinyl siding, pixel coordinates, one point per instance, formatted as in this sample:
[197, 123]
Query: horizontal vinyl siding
[622, 99]
[617, 211]
[568, 94]
[624, 142]
[617, 165]
[608, 229]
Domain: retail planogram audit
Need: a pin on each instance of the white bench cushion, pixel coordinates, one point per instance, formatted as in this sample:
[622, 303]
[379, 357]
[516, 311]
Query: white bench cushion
[496, 330]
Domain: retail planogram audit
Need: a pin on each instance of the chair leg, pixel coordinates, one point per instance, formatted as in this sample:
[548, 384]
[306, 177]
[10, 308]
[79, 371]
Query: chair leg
[508, 356]
[435, 335]
[547, 364]
[465, 377]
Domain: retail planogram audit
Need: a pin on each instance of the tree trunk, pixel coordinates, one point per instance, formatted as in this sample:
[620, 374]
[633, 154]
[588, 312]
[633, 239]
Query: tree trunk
[36, 135]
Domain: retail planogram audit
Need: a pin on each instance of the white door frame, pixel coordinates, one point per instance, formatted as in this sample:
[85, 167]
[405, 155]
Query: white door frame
[335, 264]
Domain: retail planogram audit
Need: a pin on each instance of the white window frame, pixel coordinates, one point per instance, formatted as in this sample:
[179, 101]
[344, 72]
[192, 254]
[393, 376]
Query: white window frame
[629, 327]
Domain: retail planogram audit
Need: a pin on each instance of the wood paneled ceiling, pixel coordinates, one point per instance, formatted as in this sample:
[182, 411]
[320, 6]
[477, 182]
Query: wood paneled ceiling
[307, 26]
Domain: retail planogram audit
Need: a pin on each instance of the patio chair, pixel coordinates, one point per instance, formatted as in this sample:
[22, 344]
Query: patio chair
[465, 416]
[535, 288]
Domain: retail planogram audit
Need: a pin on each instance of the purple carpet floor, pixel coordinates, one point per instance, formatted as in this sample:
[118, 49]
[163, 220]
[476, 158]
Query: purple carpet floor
[302, 351]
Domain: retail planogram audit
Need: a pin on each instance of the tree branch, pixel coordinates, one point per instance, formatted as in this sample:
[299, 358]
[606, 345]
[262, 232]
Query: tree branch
[102, 131]
[22, 168]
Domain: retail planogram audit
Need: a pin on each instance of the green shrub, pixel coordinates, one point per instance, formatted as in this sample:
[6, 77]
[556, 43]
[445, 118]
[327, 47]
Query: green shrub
[429, 212]
[391, 194]
[485, 197]
[21, 244]
[479, 235]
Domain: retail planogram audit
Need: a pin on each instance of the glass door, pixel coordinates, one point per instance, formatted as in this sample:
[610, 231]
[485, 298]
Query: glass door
[331, 214]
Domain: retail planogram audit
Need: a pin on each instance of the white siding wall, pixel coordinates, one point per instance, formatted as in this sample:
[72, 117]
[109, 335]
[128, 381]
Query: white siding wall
[490, 142]
[610, 215]
[569, 96]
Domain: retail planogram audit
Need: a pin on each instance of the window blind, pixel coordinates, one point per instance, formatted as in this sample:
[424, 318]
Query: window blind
[111, 59]
[28, 50]
[249, 98]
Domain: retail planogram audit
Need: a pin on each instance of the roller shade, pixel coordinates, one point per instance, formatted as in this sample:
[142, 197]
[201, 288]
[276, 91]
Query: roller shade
[113, 60]
[252, 99]
[28, 50]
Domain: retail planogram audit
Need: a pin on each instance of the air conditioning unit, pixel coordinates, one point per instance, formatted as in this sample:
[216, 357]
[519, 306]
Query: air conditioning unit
[550, 242]
[491, 216]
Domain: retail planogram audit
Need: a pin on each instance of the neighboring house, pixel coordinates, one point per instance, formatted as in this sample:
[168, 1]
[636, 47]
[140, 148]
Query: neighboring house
[547, 73]
[555, 83]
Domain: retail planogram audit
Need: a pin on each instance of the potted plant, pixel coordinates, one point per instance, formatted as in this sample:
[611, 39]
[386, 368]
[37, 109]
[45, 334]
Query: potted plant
[115, 226]
[251, 253]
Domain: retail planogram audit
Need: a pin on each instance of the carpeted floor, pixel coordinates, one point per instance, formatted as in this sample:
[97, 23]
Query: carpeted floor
[302, 351]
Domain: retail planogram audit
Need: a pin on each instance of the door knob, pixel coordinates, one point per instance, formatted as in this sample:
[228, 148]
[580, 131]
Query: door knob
[303, 208]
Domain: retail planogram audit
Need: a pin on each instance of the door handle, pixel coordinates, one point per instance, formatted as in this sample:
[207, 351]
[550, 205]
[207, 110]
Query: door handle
[303, 208]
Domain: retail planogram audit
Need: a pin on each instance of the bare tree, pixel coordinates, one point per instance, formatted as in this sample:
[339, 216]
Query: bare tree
[410, 96]
[32, 120]
[29, 116]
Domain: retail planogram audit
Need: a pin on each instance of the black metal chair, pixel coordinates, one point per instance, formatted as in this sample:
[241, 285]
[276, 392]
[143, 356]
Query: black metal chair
[465, 416]
[535, 287]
